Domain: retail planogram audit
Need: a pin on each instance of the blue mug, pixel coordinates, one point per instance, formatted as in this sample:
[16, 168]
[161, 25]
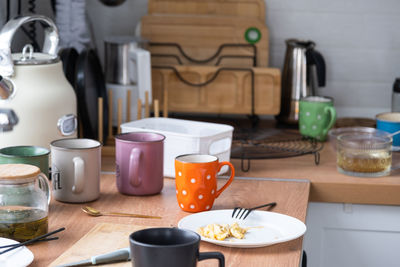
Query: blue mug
[389, 122]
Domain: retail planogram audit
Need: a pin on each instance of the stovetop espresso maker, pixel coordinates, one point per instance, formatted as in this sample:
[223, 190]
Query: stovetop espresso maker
[303, 73]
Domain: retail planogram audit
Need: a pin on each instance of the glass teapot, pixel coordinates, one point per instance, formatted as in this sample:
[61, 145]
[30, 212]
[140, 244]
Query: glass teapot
[24, 202]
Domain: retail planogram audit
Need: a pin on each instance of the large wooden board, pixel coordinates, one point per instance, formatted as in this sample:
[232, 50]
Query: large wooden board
[201, 36]
[103, 238]
[236, 8]
[229, 93]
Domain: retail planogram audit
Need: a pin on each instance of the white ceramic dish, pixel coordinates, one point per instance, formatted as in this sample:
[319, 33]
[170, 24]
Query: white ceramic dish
[269, 227]
[19, 257]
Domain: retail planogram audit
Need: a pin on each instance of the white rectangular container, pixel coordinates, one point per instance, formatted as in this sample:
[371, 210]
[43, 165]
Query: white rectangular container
[186, 137]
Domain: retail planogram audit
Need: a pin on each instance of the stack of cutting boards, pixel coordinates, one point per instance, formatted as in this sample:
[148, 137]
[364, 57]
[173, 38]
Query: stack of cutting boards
[230, 33]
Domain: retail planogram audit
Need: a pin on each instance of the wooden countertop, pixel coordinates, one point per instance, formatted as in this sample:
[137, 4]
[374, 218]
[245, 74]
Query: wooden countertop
[327, 184]
[291, 196]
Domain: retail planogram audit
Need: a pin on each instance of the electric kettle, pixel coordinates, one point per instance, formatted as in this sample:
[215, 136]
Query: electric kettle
[36, 89]
[303, 73]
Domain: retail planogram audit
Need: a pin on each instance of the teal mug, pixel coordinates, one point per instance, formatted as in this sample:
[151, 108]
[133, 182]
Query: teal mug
[316, 116]
[32, 155]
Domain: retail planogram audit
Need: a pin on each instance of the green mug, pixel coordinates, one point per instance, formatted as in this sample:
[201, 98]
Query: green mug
[316, 116]
[32, 155]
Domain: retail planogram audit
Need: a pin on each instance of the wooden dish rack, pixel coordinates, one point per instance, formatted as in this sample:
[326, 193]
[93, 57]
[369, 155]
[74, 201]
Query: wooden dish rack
[206, 59]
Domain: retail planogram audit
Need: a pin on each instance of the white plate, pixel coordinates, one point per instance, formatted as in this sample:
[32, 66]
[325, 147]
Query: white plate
[269, 227]
[19, 257]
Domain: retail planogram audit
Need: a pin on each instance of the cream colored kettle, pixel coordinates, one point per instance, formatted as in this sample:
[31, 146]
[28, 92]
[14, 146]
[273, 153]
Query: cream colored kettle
[34, 86]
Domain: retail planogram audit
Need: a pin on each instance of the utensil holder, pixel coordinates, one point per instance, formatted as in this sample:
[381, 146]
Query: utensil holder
[109, 144]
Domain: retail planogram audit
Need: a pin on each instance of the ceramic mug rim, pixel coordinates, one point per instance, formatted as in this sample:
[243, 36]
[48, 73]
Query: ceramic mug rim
[59, 144]
[118, 137]
[387, 120]
[181, 158]
[307, 99]
[196, 237]
[45, 152]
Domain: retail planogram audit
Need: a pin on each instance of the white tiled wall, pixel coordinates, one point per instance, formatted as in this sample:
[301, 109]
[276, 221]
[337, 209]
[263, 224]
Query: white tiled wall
[360, 40]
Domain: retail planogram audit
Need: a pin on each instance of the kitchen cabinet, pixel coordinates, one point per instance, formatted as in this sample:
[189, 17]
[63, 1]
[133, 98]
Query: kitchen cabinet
[352, 235]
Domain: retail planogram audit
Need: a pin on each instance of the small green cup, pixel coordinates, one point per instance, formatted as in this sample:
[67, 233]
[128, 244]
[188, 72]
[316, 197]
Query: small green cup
[33, 155]
[316, 116]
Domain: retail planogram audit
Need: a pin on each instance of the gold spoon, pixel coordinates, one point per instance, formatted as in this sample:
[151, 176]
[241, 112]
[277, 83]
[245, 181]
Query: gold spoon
[93, 212]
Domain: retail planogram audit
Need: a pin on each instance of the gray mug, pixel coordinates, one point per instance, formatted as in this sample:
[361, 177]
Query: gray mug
[75, 167]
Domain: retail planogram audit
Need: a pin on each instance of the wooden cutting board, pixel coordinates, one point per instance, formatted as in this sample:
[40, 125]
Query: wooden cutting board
[201, 36]
[103, 238]
[229, 93]
[235, 8]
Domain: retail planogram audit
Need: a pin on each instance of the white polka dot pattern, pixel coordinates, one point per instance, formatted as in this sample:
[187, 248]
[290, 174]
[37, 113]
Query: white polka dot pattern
[184, 192]
[192, 180]
[192, 206]
[200, 196]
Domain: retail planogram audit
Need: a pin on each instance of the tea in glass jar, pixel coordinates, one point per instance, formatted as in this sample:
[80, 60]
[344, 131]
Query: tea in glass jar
[24, 201]
[21, 223]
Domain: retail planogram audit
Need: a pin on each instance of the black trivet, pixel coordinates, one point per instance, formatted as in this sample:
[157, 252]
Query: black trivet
[271, 143]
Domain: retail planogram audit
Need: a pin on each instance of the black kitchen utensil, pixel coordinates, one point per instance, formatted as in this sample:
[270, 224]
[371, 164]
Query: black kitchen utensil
[112, 2]
[31, 241]
[69, 57]
[238, 212]
[90, 85]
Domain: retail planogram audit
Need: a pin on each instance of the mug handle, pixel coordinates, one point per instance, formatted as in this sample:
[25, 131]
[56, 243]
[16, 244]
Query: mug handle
[79, 171]
[332, 112]
[134, 163]
[43, 180]
[213, 255]
[230, 178]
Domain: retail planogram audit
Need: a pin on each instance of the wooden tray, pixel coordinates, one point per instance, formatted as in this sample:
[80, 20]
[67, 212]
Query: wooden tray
[235, 8]
[229, 93]
[201, 36]
[103, 238]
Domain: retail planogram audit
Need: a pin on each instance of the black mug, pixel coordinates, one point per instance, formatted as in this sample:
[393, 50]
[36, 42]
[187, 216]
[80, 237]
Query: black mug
[168, 247]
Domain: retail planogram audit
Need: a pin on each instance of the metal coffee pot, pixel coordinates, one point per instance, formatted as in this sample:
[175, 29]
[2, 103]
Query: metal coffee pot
[303, 73]
[33, 85]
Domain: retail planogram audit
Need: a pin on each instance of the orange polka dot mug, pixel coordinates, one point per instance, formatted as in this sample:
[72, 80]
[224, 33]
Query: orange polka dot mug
[196, 181]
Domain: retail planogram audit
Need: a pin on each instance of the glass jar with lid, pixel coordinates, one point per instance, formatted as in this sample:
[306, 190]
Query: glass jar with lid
[24, 202]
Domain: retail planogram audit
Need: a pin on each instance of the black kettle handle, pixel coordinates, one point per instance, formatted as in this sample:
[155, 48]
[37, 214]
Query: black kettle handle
[213, 255]
[314, 57]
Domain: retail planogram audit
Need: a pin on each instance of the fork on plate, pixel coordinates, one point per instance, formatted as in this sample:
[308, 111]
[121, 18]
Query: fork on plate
[239, 212]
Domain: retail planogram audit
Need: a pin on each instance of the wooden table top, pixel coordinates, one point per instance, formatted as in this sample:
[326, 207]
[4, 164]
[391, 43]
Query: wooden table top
[291, 196]
[327, 184]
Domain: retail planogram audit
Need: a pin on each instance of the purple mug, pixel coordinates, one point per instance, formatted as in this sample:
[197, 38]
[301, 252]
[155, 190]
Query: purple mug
[139, 163]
